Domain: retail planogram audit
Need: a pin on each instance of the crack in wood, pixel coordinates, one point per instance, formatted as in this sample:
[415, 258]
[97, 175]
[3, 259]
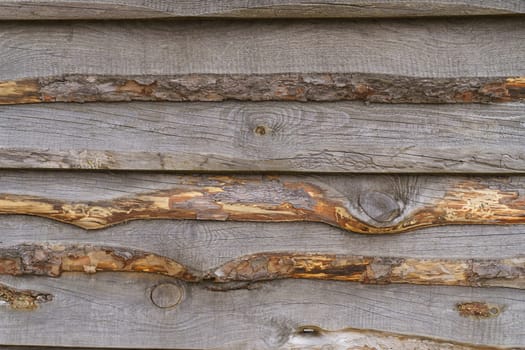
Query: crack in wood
[287, 199]
[380, 88]
[53, 260]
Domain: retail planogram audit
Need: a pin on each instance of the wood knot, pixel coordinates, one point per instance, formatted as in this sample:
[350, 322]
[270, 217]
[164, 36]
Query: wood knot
[379, 206]
[167, 295]
[260, 130]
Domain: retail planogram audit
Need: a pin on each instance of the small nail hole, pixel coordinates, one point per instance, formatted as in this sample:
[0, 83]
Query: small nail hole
[309, 330]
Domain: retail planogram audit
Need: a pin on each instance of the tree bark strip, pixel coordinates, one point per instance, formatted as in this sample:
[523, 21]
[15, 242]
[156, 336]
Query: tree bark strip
[380, 88]
[53, 260]
[461, 200]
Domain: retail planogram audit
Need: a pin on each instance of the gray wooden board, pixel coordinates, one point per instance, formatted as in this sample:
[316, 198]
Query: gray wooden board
[113, 9]
[460, 47]
[412, 193]
[203, 245]
[111, 309]
[291, 137]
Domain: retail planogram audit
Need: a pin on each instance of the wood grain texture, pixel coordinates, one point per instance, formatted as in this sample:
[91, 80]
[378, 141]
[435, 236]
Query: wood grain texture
[269, 137]
[271, 87]
[112, 9]
[361, 204]
[205, 245]
[53, 260]
[432, 48]
[90, 311]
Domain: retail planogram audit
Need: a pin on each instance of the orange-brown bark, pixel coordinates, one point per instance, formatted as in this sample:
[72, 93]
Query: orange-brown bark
[263, 87]
[22, 299]
[53, 260]
[280, 199]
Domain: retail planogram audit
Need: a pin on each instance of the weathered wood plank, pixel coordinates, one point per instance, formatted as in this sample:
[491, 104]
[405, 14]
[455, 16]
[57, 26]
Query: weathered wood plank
[112, 9]
[92, 311]
[433, 48]
[271, 87]
[290, 137]
[204, 245]
[361, 204]
[53, 260]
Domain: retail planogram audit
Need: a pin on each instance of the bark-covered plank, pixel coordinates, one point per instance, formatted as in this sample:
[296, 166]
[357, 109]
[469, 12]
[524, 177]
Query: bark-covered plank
[268, 137]
[53, 260]
[472, 47]
[362, 204]
[91, 311]
[268, 87]
[112, 9]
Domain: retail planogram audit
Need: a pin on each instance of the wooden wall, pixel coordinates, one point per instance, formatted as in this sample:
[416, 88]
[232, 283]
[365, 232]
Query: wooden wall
[343, 174]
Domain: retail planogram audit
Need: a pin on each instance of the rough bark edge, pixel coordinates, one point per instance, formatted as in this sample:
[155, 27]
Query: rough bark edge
[22, 299]
[53, 260]
[37, 10]
[375, 88]
[284, 199]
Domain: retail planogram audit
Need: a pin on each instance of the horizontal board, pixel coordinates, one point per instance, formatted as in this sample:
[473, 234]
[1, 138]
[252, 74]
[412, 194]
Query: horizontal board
[112, 9]
[126, 310]
[270, 137]
[479, 47]
[270, 87]
[362, 204]
[205, 245]
[54, 260]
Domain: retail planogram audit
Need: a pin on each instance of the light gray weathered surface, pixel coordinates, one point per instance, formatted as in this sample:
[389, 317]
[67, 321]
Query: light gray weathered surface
[290, 137]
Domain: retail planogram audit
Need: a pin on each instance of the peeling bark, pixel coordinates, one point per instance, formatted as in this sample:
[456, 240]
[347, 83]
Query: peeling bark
[378, 88]
[22, 299]
[53, 260]
[375, 270]
[315, 338]
[285, 199]
[478, 310]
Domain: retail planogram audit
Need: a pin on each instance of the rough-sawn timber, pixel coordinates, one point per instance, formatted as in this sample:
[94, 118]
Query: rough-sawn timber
[111, 9]
[265, 137]
[53, 260]
[360, 204]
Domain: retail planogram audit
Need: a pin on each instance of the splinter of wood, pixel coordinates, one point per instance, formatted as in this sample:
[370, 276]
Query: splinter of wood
[461, 200]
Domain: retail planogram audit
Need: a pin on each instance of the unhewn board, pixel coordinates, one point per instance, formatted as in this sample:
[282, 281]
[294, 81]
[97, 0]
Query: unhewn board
[362, 204]
[290, 137]
[53, 260]
[114, 9]
[116, 310]
[256, 87]
[434, 48]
